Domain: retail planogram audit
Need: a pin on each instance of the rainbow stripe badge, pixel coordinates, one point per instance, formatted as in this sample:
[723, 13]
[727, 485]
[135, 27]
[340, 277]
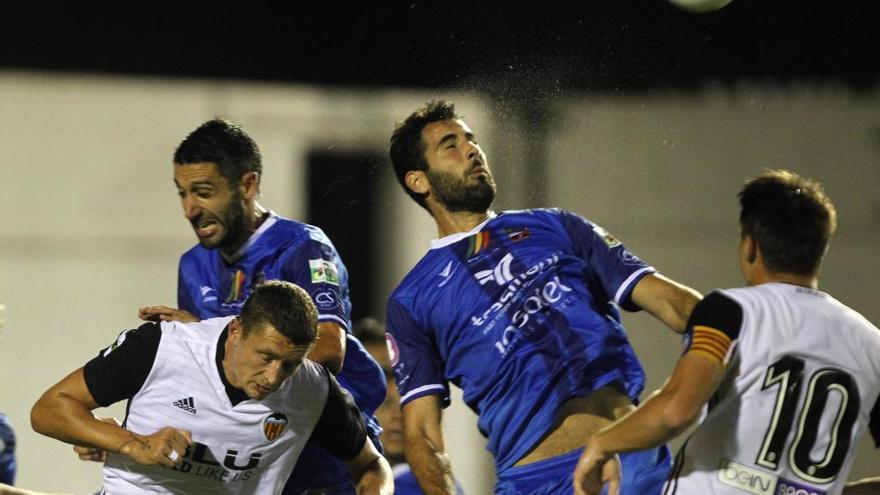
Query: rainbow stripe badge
[478, 242]
[237, 287]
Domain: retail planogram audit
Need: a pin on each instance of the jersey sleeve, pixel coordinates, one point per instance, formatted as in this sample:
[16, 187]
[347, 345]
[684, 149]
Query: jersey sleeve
[714, 326]
[316, 267]
[121, 369]
[418, 367]
[610, 264]
[340, 429]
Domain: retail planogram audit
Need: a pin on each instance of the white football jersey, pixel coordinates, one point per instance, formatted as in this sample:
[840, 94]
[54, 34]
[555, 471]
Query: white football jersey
[245, 448]
[802, 380]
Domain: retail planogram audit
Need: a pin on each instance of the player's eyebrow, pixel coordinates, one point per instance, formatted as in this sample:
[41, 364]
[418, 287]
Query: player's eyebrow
[445, 139]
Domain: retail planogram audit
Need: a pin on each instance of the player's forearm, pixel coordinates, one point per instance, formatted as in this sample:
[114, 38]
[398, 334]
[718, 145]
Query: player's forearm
[64, 418]
[866, 486]
[431, 467]
[657, 421]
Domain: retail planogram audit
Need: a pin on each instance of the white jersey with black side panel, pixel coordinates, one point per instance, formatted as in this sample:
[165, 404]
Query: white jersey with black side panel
[800, 389]
[172, 375]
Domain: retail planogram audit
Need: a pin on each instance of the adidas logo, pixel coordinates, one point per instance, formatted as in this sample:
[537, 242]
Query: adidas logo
[186, 404]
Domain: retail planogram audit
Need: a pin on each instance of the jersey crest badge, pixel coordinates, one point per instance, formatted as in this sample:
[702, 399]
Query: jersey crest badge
[517, 235]
[274, 425]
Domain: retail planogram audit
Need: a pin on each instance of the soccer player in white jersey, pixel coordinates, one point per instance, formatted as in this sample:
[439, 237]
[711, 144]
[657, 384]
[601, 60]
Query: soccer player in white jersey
[220, 406]
[785, 378]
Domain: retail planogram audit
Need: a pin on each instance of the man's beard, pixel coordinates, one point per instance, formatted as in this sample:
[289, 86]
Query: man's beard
[455, 194]
[231, 220]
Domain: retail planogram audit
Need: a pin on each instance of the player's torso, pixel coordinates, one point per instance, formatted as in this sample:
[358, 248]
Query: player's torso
[801, 384]
[247, 448]
[495, 301]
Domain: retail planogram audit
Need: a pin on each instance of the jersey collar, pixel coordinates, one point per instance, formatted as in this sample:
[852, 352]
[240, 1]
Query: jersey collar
[453, 238]
[267, 223]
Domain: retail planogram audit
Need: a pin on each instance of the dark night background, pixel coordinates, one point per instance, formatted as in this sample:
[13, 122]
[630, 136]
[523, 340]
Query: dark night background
[546, 46]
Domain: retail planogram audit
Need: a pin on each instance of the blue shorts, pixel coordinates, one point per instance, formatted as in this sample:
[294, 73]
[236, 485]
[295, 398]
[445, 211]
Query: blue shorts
[642, 473]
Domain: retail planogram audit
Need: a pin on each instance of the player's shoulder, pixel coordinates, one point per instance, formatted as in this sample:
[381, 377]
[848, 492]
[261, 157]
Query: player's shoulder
[200, 331]
[197, 254]
[292, 233]
[311, 376]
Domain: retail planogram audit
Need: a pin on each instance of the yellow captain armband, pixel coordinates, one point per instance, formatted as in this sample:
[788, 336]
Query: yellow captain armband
[710, 342]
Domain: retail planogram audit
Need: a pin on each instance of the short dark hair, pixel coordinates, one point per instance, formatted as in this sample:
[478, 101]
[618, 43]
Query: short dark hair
[223, 143]
[790, 218]
[407, 148]
[285, 306]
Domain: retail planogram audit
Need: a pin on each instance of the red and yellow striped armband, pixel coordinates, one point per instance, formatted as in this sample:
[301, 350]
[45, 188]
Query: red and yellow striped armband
[710, 342]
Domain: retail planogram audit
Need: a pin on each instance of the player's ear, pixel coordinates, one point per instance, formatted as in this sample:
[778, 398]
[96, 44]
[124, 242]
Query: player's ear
[751, 249]
[235, 330]
[249, 185]
[417, 181]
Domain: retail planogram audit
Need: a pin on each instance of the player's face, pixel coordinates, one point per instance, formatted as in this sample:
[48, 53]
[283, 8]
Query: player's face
[458, 172]
[213, 207]
[260, 362]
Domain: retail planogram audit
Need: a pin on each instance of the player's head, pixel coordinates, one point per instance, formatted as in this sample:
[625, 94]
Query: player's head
[372, 334]
[789, 218]
[438, 162]
[277, 327]
[217, 174]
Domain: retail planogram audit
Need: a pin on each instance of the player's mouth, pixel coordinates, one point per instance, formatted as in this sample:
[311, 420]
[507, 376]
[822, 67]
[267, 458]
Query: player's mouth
[262, 391]
[206, 228]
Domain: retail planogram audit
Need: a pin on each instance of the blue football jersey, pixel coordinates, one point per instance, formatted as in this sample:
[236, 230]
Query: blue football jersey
[521, 314]
[283, 249]
[7, 451]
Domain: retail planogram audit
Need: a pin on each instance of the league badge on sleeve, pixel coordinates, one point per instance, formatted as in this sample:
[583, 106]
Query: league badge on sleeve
[114, 345]
[323, 271]
[607, 238]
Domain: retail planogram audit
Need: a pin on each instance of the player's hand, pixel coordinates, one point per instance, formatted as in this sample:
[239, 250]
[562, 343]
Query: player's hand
[595, 469]
[165, 313]
[165, 447]
[92, 453]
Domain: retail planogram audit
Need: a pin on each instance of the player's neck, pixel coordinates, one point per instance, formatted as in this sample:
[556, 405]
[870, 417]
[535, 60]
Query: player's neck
[254, 216]
[808, 281]
[449, 223]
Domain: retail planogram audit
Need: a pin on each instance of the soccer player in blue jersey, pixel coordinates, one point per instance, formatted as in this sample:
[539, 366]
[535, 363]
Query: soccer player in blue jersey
[520, 310]
[217, 172]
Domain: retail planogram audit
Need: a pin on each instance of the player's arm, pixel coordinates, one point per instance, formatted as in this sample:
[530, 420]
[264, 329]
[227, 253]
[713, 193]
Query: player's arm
[866, 486]
[424, 447]
[371, 472]
[716, 322]
[669, 301]
[329, 349]
[166, 313]
[64, 412]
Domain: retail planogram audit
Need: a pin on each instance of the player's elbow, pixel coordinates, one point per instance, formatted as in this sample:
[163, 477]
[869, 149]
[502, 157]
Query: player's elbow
[41, 416]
